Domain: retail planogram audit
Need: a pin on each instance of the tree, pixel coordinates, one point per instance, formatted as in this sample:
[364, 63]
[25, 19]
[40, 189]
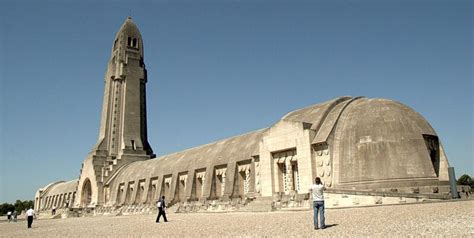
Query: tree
[6, 207]
[465, 180]
[19, 206]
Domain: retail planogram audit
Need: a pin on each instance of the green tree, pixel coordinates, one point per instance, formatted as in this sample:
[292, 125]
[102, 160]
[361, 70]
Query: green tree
[6, 207]
[465, 180]
[19, 206]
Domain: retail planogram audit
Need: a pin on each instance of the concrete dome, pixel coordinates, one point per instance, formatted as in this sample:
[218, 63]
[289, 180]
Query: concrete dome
[380, 141]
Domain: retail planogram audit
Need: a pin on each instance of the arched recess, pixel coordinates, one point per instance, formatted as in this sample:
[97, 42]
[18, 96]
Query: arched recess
[86, 193]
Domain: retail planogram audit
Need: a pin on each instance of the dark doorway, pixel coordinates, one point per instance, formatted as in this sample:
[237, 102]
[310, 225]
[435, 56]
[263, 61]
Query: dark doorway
[432, 144]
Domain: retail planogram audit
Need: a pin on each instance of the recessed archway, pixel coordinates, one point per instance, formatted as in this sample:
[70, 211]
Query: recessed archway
[86, 195]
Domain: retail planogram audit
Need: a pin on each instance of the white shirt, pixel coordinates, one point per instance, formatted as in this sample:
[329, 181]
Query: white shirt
[9, 213]
[30, 212]
[317, 192]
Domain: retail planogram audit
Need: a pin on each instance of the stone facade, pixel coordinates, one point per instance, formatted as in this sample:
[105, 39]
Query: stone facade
[366, 151]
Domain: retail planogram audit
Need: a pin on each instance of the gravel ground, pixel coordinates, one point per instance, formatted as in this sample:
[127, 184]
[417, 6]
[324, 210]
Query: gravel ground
[431, 219]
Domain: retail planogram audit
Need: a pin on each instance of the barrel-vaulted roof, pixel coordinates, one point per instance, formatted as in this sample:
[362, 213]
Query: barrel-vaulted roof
[314, 114]
[376, 119]
[379, 139]
[62, 188]
[220, 152]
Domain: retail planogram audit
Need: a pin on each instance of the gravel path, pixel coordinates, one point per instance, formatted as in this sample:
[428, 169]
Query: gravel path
[431, 219]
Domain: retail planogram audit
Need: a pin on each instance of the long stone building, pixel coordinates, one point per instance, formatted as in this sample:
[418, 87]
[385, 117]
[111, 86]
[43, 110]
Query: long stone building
[367, 151]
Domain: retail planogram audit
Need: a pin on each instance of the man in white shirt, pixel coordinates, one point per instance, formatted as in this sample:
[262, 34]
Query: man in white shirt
[317, 195]
[29, 214]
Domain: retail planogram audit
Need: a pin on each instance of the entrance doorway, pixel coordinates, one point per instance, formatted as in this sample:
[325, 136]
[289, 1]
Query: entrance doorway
[86, 193]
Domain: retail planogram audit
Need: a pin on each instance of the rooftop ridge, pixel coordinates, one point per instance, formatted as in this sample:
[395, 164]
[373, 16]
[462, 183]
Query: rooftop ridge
[214, 142]
[312, 105]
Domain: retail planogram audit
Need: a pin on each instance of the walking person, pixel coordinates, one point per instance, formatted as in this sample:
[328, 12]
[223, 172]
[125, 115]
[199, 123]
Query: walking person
[29, 215]
[53, 211]
[9, 216]
[318, 203]
[161, 209]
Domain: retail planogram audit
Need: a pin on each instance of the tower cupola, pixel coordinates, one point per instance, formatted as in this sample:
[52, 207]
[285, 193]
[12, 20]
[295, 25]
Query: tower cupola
[127, 39]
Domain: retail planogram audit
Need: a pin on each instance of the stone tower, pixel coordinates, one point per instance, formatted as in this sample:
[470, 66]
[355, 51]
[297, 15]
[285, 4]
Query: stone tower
[123, 126]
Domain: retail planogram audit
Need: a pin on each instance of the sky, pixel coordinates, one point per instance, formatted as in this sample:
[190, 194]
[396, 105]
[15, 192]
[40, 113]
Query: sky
[217, 69]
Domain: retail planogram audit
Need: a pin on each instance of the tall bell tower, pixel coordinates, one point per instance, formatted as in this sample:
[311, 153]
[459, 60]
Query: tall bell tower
[123, 126]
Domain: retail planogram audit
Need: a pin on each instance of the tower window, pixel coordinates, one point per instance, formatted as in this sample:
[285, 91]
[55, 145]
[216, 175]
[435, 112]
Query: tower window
[129, 41]
[134, 43]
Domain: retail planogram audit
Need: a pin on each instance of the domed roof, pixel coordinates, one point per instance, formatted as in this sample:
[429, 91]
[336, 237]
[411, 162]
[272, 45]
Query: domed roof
[128, 37]
[380, 139]
[129, 28]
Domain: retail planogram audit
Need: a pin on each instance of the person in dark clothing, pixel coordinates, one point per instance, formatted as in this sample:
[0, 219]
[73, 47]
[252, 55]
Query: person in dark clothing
[161, 210]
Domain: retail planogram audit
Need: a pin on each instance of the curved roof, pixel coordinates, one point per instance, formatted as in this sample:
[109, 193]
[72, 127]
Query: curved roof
[330, 120]
[374, 139]
[379, 139]
[62, 187]
[129, 29]
[220, 152]
[314, 114]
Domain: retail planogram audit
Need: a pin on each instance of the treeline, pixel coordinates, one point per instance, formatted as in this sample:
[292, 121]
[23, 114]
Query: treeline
[466, 180]
[19, 206]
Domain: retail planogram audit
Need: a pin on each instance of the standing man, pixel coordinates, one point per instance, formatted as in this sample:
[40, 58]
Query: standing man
[161, 209]
[29, 215]
[318, 202]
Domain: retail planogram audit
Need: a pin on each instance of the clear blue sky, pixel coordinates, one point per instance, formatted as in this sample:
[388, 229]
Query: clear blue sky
[221, 68]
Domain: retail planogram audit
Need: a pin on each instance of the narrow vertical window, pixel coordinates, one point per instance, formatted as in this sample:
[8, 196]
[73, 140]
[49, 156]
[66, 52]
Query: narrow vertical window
[134, 43]
[133, 145]
[129, 42]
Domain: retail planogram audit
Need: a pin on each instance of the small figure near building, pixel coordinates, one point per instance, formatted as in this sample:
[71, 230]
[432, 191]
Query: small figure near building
[30, 213]
[14, 215]
[317, 195]
[53, 211]
[9, 216]
[161, 209]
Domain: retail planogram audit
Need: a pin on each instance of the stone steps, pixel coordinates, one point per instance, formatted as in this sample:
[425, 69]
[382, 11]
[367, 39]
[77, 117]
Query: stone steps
[259, 205]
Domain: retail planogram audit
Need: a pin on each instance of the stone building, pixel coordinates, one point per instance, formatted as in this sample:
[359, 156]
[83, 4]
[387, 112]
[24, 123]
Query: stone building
[367, 151]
